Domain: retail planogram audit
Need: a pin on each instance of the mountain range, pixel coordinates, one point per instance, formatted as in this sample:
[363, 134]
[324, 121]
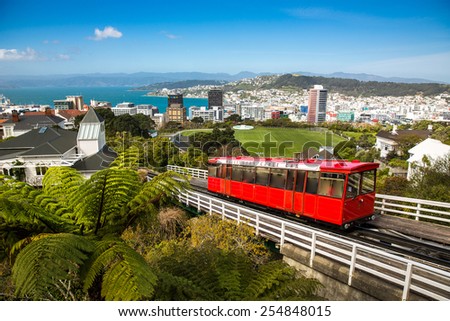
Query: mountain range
[148, 78]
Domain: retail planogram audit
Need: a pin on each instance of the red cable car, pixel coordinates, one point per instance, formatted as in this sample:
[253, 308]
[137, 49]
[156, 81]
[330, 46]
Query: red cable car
[332, 191]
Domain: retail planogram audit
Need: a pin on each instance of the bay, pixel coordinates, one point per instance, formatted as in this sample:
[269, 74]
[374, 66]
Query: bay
[114, 95]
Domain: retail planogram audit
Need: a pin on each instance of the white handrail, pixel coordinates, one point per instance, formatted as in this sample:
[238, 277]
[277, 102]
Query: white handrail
[193, 172]
[407, 274]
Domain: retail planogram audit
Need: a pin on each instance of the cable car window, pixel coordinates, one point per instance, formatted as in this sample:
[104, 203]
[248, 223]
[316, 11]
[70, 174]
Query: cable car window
[213, 171]
[290, 179]
[353, 185]
[277, 177]
[262, 176]
[368, 182]
[312, 182]
[300, 181]
[249, 175]
[331, 184]
[228, 172]
[236, 174]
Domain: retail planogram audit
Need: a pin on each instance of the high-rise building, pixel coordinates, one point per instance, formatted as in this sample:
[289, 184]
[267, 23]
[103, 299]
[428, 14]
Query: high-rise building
[175, 109]
[215, 98]
[317, 104]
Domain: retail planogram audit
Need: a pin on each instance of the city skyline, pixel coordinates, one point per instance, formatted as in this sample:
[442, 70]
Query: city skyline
[390, 39]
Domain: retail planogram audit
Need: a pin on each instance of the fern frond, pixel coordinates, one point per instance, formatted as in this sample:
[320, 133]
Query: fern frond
[61, 182]
[125, 274]
[127, 159]
[45, 261]
[101, 200]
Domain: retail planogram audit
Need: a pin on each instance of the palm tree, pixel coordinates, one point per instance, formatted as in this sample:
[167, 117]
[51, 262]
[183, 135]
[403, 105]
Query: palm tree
[67, 234]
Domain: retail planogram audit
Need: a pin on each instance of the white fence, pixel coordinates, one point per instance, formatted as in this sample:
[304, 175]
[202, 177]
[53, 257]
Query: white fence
[387, 204]
[407, 274]
[193, 172]
[413, 208]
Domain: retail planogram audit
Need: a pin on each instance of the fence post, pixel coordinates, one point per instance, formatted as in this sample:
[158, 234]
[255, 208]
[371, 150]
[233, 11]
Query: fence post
[282, 235]
[257, 225]
[313, 249]
[383, 201]
[407, 282]
[418, 211]
[352, 265]
[198, 203]
[238, 215]
[223, 211]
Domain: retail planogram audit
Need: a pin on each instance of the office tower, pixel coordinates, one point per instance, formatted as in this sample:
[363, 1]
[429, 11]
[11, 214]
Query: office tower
[215, 98]
[317, 104]
[175, 109]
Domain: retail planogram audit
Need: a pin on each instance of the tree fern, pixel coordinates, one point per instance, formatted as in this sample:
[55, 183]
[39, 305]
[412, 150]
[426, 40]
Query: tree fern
[61, 182]
[125, 274]
[47, 261]
[128, 158]
[100, 202]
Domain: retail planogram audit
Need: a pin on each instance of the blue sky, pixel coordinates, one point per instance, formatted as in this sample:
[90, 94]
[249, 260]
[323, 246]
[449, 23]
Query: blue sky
[387, 38]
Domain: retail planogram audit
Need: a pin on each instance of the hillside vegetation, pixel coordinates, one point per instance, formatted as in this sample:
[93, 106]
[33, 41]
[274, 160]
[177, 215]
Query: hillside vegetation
[353, 87]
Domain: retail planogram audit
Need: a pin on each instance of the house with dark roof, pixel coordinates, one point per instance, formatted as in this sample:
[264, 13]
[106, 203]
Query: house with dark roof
[389, 141]
[69, 116]
[29, 155]
[19, 124]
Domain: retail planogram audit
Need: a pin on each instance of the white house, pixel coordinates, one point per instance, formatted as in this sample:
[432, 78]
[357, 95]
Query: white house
[28, 156]
[389, 141]
[431, 148]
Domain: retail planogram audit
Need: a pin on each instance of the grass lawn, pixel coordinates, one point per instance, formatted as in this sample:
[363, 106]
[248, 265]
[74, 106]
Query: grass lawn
[272, 142]
[190, 132]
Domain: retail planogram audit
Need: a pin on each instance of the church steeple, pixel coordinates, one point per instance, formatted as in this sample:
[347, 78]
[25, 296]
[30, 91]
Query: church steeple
[91, 135]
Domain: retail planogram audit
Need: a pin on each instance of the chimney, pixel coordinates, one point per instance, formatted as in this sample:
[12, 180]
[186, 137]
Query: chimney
[48, 112]
[394, 130]
[15, 116]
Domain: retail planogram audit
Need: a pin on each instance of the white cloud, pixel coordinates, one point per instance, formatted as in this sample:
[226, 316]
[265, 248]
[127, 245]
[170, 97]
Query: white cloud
[107, 32]
[63, 57]
[14, 54]
[169, 35]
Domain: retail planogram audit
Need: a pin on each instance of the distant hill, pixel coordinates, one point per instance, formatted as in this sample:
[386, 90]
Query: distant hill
[369, 77]
[181, 84]
[115, 79]
[354, 87]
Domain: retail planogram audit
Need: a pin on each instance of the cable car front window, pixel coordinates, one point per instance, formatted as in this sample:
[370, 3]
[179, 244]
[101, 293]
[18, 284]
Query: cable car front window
[368, 182]
[353, 185]
[331, 184]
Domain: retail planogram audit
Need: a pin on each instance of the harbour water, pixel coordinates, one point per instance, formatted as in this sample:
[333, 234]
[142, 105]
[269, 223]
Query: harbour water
[114, 95]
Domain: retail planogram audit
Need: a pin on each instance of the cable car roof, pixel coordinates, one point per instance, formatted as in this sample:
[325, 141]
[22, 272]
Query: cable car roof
[290, 163]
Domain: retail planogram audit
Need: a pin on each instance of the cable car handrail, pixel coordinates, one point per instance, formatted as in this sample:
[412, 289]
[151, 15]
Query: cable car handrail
[373, 261]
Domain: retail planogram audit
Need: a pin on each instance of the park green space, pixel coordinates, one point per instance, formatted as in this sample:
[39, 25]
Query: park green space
[272, 142]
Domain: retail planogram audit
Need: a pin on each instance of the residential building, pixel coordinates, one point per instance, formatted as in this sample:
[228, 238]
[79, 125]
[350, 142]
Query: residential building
[19, 124]
[389, 141]
[429, 150]
[71, 102]
[317, 104]
[69, 117]
[147, 110]
[63, 104]
[78, 102]
[251, 111]
[346, 116]
[28, 156]
[124, 108]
